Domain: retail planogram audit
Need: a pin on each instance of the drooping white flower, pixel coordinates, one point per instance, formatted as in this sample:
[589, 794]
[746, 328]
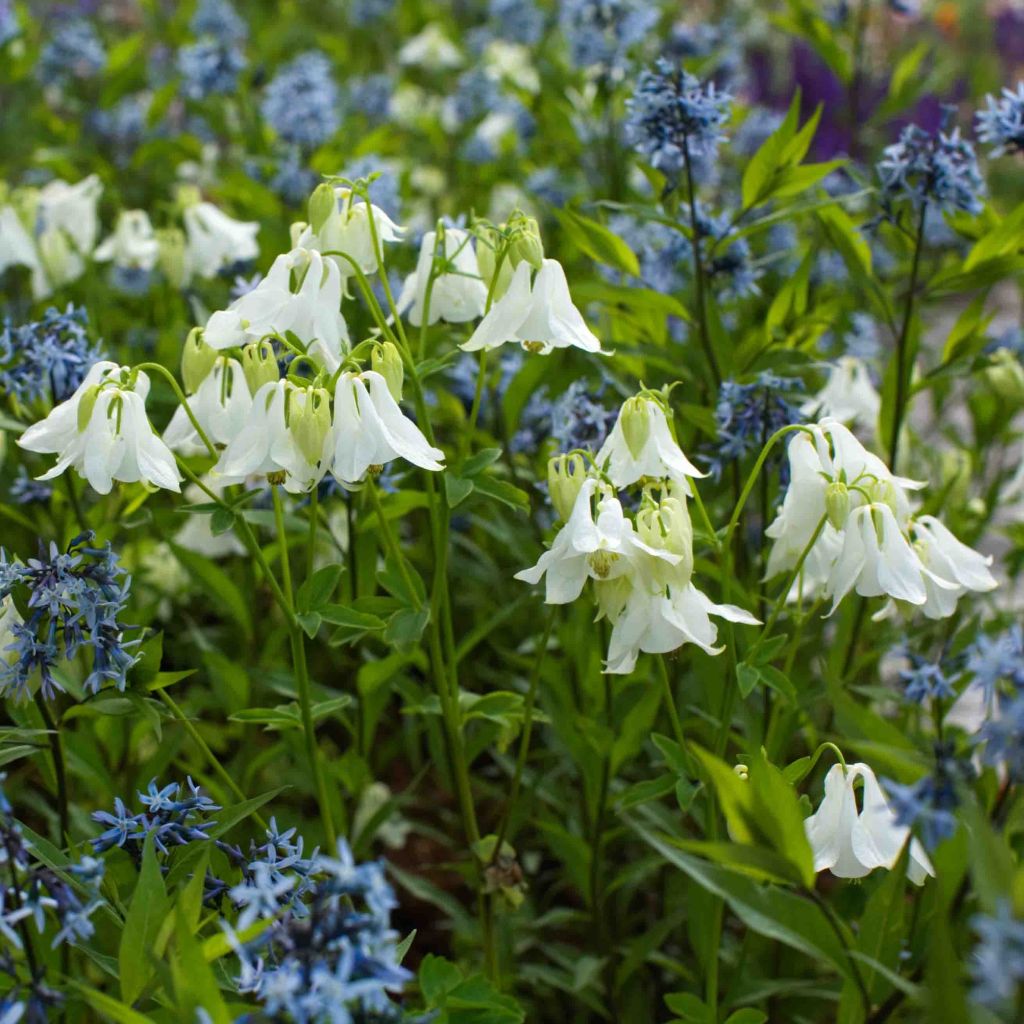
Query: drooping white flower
[848, 395]
[102, 432]
[641, 445]
[431, 49]
[221, 404]
[71, 209]
[540, 316]
[852, 842]
[301, 294]
[214, 240]
[133, 244]
[286, 436]
[370, 430]
[457, 295]
[348, 230]
[18, 249]
[952, 561]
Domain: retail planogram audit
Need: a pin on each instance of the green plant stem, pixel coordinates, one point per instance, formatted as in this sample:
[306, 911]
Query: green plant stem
[302, 680]
[59, 769]
[180, 395]
[76, 506]
[314, 511]
[829, 915]
[902, 370]
[670, 707]
[698, 270]
[218, 769]
[474, 411]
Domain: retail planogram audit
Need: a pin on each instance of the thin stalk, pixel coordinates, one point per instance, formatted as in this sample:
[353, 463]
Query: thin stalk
[858, 978]
[698, 269]
[474, 411]
[218, 769]
[900, 398]
[314, 508]
[670, 706]
[59, 769]
[76, 505]
[180, 395]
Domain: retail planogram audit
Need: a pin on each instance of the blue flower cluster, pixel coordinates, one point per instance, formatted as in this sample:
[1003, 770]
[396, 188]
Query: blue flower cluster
[660, 249]
[993, 659]
[1001, 124]
[74, 52]
[517, 21]
[209, 68]
[301, 101]
[9, 29]
[998, 966]
[72, 601]
[928, 804]
[925, 679]
[384, 191]
[1001, 739]
[939, 169]
[217, 18]
[578, 418]
[33, 895]
[26, 490]
[370, 95]
[746, 415]
[328, 953]
[370, 12]
[601, 33]
[171, 816]
[674, 118]
[47, 359]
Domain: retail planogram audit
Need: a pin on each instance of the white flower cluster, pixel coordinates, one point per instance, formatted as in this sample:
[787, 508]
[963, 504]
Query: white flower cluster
[865, 535]
[641, 567]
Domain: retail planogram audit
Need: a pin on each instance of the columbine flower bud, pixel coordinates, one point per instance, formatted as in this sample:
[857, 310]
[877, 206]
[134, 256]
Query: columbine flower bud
[667, 527]
[386, 360]
[187, 195]
[525, 246]
[310, 421]
[1006, 376]
[487, 250]
[197, 360]
[259, 364]
[26, 205]
[56, 254]
[884, 493]
[171, 256]
[566, 474]
[742, 771]
[837, 504]
[636, 425]
[322, 203]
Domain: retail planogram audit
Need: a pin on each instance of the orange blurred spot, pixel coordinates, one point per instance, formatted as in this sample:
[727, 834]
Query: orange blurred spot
[947, 19]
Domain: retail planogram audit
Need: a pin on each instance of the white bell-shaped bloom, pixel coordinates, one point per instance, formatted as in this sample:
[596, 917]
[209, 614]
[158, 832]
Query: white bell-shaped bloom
[269, 443]
[852, 842]
[641, 445]
[221, 404]
[457, 295]
[108, 439]
[348, 230]
[215, 241]
[431, 49]
[370, 430]
[301, 294]
[950, 560]
[71, 209]
[540, 316]
[848, 395]
[197, 534]
[133, 244]
[17, 248]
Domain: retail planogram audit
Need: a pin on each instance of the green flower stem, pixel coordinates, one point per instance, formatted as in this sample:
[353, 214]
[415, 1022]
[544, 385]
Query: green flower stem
[673, 712]
[59, 770]
[314, 511]
[218, 769]
[180, 395]
[302, 676]
[76, 506]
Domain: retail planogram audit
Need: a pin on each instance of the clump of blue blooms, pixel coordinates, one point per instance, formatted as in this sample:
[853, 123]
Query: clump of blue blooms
[124, 125]
[32, 895]
[9, 29]
[576, 419]
[1001, 739]
[601, 33]
[383, 188]
[660, 249]
[746, 415]
[925, 679]
[217, 18]
[862, 340]
[69, 602]
[371, 94]
[48, 358]
[1001, 123]
[939, 169]
[369, 12]
[993, 659]
[329, 952]
[517, 21]
[301, 101]
[174, 816]
[293, 180]
[74, 52]
[927, 805]
[674, 118]
[26, 490]
[997, 969]
[209, 67]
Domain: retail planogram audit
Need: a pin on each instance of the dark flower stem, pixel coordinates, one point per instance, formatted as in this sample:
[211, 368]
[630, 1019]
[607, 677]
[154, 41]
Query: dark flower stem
[59, 771]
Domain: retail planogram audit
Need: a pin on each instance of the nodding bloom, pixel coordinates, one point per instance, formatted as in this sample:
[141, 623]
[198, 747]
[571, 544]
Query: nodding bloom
[370, 430]
[221, 404]
[102, 432]
[66, 227]
[868, 539]
[1001, 124]
[539, 315]
[601, 33]
[848, 396]
[457, 292]
[215, 241]
[347, 230]
[852, 842]
[133, 245]
[431, 49]
[301, 294]
[641, 446]
[286, 437]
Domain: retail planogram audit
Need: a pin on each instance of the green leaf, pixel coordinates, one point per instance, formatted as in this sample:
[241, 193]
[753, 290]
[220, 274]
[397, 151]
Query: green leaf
[456, 489]
[344, 615]
[766, 161]
[502, 491]
[406, 626]
[480, 461]
[316, 591]
[748, 1015]
[107, 1006]
[195, 985]
[597, 242]
[437, 977]
[221, 588]
[231, 815]
[146, 912]
[688, 1007]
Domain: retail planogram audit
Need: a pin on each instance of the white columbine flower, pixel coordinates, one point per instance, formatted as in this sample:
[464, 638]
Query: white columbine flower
[851, 842]
[286, 436]
[431, 49]
[371, 430]
[67, 225]
[458, 294]
[221, 404]
[540, 316]
[214, 240]
[133, 245]
[348, 230]
[302, 294]
[848, 395]
[641, 445]
[102, 431]
[17, 249]
[951, 561]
